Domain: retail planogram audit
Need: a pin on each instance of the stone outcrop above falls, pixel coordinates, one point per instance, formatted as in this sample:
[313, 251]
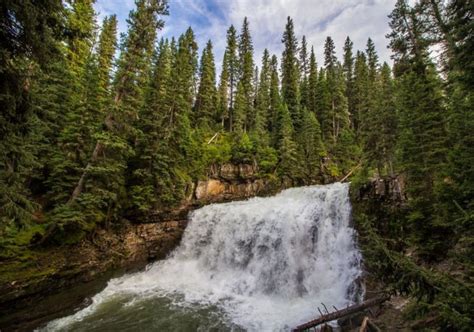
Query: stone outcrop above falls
[230, 182]
[217, 191]
[224, 183]
[389, 189]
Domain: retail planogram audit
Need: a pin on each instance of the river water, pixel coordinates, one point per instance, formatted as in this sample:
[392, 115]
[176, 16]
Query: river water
[265, 264]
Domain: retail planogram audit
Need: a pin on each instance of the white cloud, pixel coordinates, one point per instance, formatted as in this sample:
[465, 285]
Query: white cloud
[316, 19]
[121, 8]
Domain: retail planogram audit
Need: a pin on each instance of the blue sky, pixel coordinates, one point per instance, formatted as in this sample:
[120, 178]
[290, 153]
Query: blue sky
[316, 19]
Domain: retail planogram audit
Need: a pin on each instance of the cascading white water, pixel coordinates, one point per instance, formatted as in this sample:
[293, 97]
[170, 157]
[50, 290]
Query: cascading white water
[265, 263]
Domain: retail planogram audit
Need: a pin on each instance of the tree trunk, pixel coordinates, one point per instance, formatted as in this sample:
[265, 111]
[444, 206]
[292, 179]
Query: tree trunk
[99, 148]
[342, 313]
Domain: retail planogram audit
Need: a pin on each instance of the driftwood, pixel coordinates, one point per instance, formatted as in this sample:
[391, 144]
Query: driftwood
[213, 137]
[342, 313]
[350, 173]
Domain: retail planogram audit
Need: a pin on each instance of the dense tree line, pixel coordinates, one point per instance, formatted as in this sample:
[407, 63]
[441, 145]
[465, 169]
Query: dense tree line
[88, 137]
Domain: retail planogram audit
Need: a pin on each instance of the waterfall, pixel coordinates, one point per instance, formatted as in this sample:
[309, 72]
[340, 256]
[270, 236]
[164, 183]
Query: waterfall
[265, 264]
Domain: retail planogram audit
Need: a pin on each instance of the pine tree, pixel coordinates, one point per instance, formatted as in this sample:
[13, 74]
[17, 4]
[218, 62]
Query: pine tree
[304, 72]
[290, 73]
[81, 23]
[31, 33]
[223, 92]
[105, 57]
[240, 109]
[312, 83]
[232, 65]
[311, 146]
[74, 141]
[323, 105]
[372, 60]
[287, 149]
[422, 137]
[337, 116]
[360, 91]
[246, 73]
[348, 68]
[261, 134]
[206, 99]
[275, 102]
[183, 77]
[330, 59]
[339, 105]
[169, 155]
[457, 27]
[370, 126]
[263, 99]
[148, 177]
[387, 118]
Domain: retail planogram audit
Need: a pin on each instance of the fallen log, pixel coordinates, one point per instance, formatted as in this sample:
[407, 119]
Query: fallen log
[350, 173]
[342, 312]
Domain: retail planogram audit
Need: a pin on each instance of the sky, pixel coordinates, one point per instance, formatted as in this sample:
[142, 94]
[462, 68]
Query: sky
[316, 19]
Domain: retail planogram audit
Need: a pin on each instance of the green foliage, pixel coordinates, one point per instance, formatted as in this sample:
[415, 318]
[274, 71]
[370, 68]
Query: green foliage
[219, 151]
[290, 73]
[311, 147]
[30, 37]
[206, 99]
[287, 148]
[448, 300]
[243, 149]
[244, 111]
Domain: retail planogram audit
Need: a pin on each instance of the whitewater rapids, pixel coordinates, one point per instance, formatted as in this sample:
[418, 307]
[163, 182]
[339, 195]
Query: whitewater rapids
[264, 264]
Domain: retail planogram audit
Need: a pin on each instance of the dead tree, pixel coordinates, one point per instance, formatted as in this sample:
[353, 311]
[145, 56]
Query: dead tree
[343, 312]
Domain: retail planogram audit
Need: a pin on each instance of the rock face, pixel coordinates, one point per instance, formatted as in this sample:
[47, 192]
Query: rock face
[226, 182]
[132, 246]
[390, 189]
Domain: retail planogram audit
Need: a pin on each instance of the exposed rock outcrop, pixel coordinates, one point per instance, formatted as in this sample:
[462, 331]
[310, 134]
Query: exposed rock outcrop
[389, 189]
[224, 183]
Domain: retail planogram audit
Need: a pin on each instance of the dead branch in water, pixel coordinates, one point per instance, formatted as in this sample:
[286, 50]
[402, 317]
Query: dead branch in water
[343, 312]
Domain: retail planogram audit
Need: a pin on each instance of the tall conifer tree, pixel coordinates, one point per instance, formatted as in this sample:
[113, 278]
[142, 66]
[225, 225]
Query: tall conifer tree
[246, 74]
[422, 138]
[206, 99]
[348, 67]
[223, 92]
[232, 66]
[304, 69]
[312, 83]
[290, 73]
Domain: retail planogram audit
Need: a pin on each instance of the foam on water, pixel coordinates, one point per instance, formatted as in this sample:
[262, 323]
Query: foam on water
[267, 263]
